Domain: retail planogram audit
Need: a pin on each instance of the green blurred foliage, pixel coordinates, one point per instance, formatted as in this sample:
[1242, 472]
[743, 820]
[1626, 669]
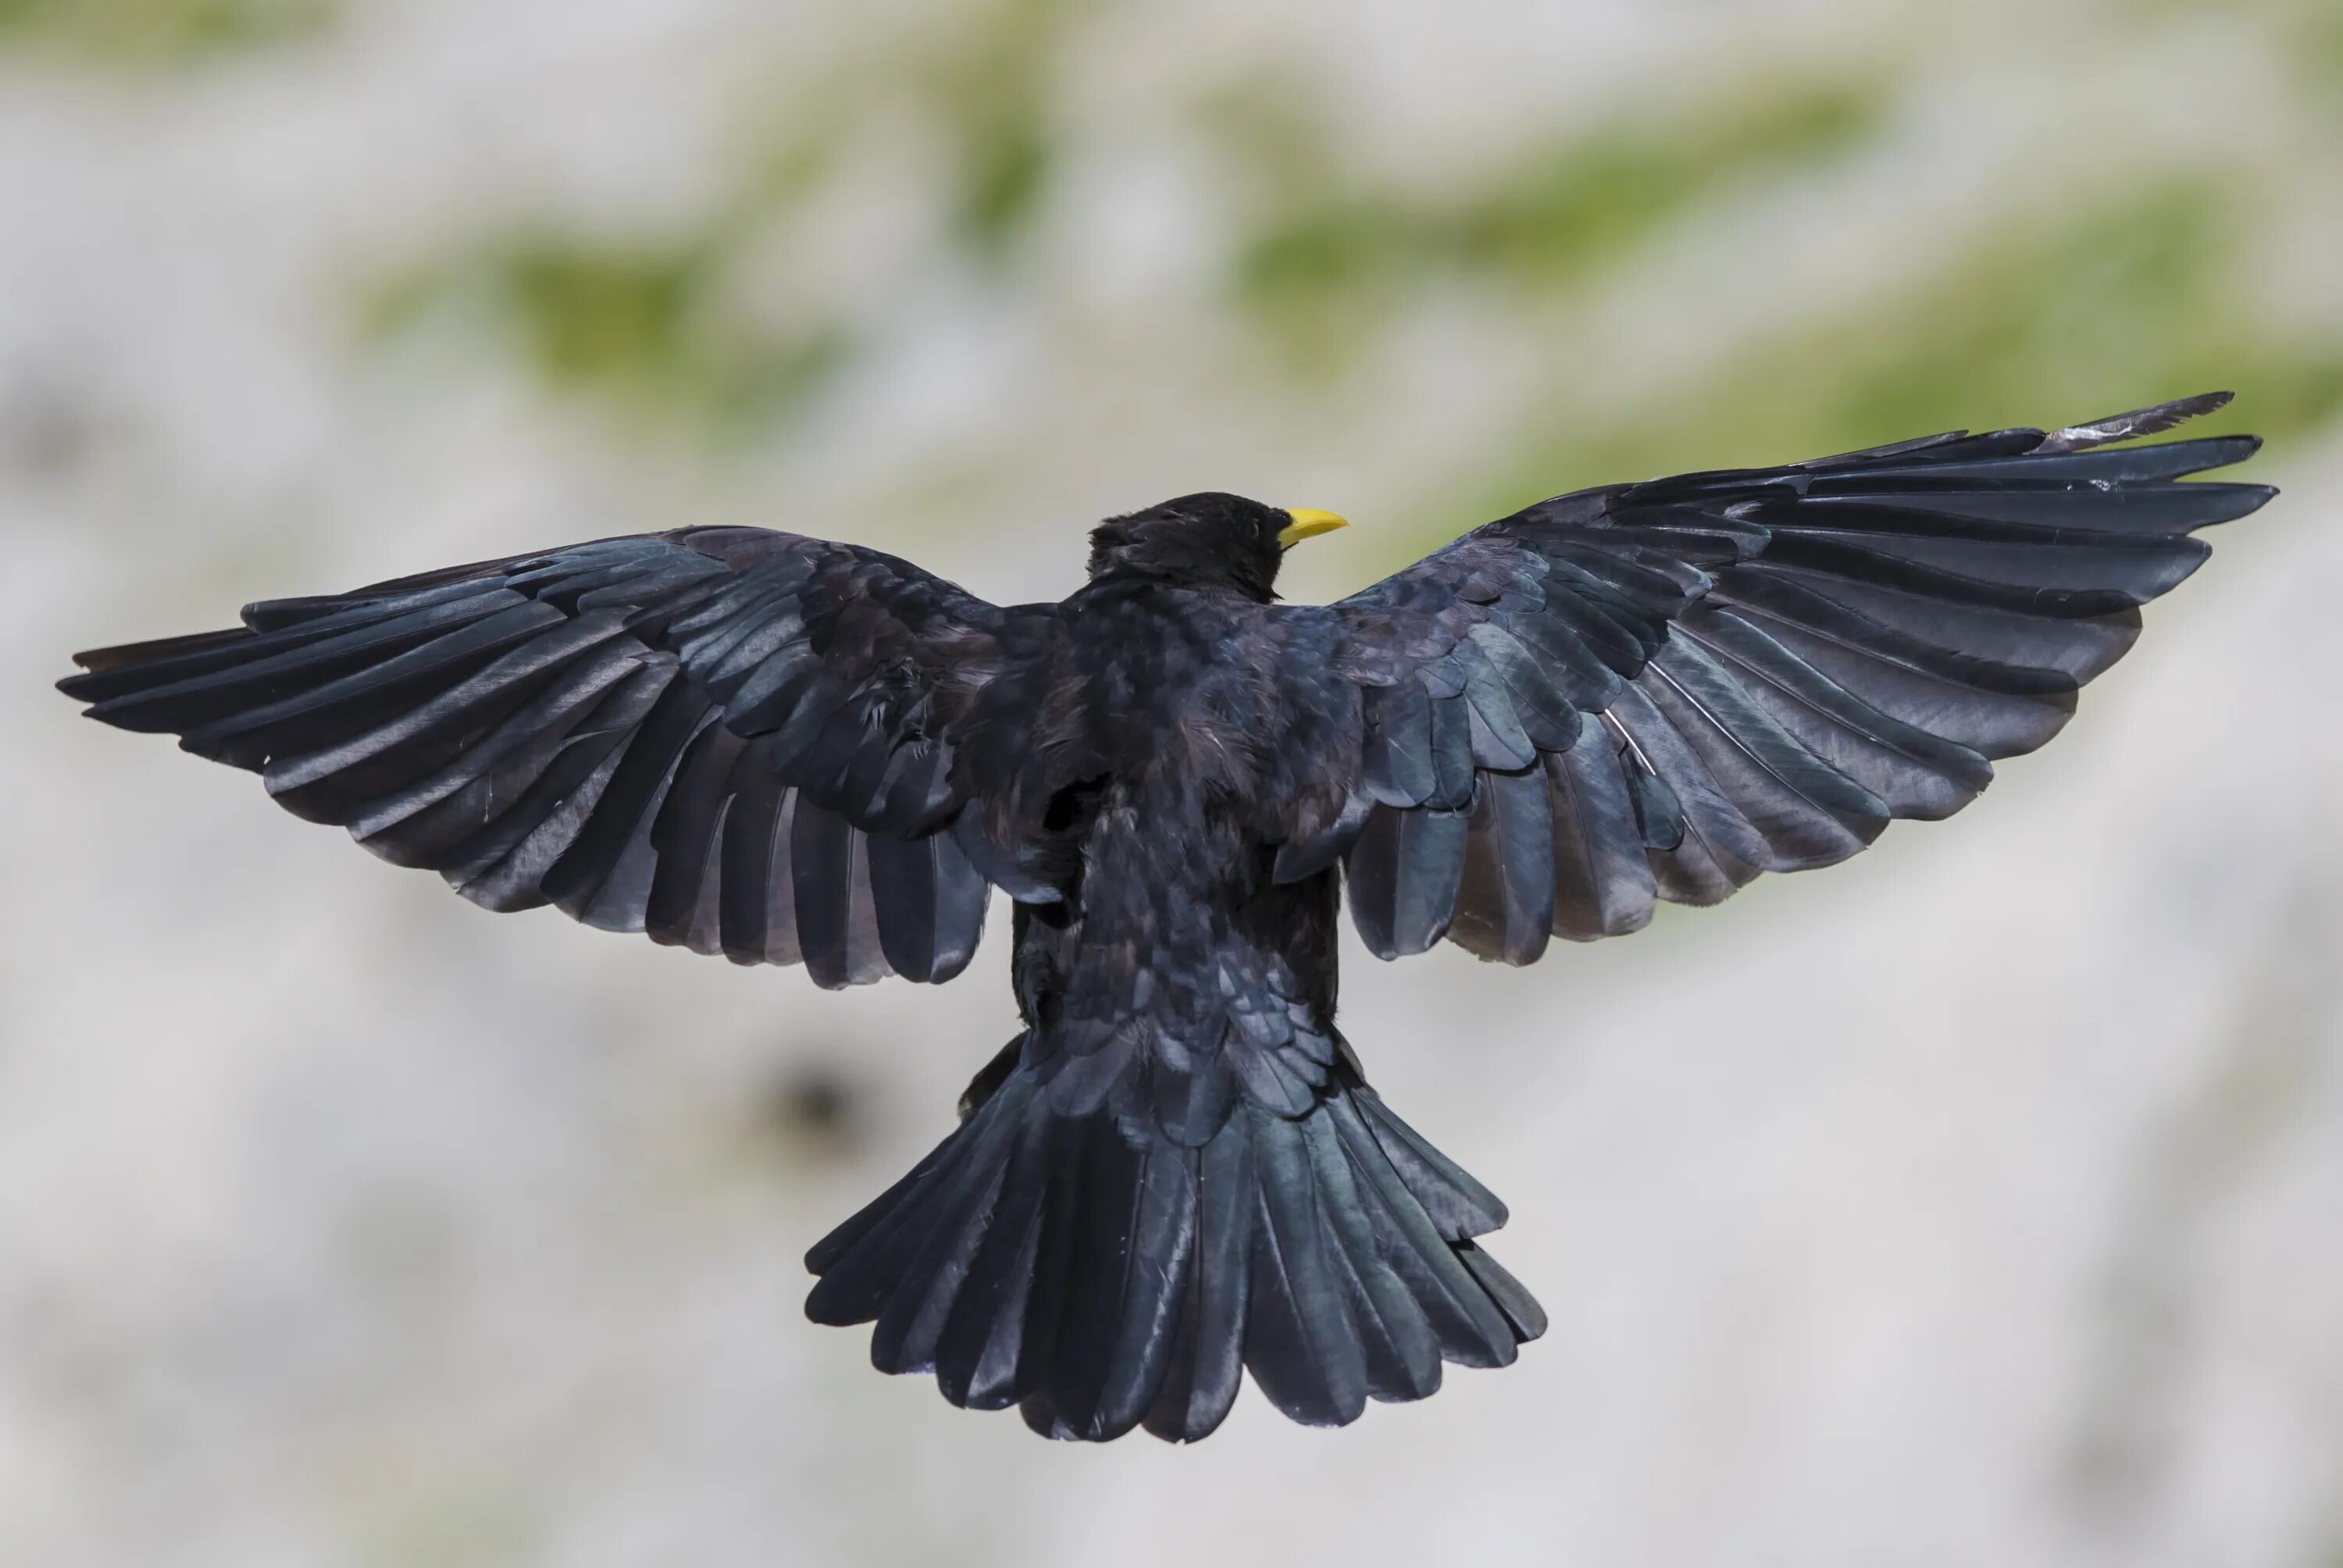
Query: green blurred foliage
[988, 87]
[651, 330]
[2310, 32]
[1336, 249]
[150, 32]
[647, 328]
[2128, 305]
[2028, 318]
[2315, 30]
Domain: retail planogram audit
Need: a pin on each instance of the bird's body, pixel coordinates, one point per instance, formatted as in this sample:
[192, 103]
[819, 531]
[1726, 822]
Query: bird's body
[794, 751]
[1172, 839]
[1180, 1087]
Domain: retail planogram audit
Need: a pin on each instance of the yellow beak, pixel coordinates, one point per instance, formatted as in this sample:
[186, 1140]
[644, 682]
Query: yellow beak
[1308, 522]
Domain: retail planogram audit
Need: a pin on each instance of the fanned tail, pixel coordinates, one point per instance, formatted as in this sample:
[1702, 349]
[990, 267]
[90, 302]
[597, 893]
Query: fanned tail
[1102, 1276]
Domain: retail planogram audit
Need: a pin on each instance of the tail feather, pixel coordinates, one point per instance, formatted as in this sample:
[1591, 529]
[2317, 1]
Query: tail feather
[1146, 1298]
[865, 1272]
[983, 1340]
[1102, 1275]
[1470, 1328]
[1303, 1346]
[1513, 1298]
[1403, 1352]
[1457, 1203]
[913, 1319]
[1207, 1364]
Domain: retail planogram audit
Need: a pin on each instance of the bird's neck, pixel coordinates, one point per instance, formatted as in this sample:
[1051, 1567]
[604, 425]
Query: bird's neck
[1201, 575]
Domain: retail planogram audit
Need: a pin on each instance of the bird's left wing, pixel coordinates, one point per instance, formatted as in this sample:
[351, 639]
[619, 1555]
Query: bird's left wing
[737, 740]
[1662, 689]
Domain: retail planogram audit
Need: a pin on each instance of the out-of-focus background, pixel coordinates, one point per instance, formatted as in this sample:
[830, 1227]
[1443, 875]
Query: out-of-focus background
[1980, 1202]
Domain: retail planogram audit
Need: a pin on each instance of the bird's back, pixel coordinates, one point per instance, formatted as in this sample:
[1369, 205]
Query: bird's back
[1175, 922]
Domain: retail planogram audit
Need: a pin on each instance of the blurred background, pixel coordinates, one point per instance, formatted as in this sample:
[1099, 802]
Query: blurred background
[1979, 1201]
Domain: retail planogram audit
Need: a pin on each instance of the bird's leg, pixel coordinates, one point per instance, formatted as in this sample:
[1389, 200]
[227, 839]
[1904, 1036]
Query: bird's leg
[989, 1077]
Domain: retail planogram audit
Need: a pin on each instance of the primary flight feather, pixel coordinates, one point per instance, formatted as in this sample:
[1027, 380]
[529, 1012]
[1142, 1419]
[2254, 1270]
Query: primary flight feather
[788, 750]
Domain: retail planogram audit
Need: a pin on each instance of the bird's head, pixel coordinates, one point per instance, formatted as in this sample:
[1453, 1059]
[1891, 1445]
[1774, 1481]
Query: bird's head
[1206, 541]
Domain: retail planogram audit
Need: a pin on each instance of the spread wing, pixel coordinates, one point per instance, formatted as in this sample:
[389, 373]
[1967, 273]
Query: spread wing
[737, 741]
[1660, 691]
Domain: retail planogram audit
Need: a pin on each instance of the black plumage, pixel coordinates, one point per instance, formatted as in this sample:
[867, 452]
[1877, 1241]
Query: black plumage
[792, 751]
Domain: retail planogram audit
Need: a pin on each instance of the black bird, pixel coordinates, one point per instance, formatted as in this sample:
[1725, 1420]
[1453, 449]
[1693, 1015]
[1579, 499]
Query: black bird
[788, 750]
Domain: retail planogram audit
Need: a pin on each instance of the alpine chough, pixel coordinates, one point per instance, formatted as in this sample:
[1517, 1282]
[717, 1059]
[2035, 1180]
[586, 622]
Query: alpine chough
[788, 750]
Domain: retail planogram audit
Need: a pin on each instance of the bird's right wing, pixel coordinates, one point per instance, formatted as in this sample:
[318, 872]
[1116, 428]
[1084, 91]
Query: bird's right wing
[735, 739]
[1660, 691]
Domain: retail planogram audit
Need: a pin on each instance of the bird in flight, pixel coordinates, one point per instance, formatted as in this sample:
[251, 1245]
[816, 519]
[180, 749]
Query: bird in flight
[788, 750]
